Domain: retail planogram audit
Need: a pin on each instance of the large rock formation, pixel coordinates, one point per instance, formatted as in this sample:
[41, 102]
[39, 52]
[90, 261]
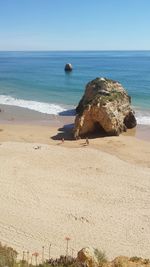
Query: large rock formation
[105, 106]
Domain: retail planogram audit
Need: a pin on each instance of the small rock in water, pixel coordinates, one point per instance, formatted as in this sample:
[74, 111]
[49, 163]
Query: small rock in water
[68, 67]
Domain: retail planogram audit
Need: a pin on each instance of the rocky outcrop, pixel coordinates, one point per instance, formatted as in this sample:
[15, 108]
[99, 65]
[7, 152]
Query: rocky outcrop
[123, 261]
[105, 106]
[90, 257]
[68, 67]
[86, 257]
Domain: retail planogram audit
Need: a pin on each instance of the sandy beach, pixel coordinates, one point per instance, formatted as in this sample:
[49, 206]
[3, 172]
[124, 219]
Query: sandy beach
[74, 133]
[98, 195]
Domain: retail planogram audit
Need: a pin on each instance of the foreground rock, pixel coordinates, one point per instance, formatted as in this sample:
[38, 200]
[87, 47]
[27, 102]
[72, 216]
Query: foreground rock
[105, 106]
[68, 67]
[87, 257]
[123, 261]
[90, 257]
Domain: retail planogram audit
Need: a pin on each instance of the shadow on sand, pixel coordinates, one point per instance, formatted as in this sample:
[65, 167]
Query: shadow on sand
[66, 133]
[70, 112]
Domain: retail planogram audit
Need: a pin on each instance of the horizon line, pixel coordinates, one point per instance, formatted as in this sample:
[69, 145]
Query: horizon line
[74, 50]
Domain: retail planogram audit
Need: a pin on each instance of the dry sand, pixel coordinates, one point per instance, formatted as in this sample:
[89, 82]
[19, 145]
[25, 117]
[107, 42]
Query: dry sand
[97, 195]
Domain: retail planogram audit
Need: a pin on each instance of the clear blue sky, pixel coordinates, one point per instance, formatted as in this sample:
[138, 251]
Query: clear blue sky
[74, 24]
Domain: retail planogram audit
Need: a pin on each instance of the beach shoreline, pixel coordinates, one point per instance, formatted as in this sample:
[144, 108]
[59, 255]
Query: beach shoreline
[24, 125]
[14, 115]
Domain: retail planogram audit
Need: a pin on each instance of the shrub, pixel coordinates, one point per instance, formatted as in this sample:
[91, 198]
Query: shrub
[8, 256]
[101, 257]
[135, 259]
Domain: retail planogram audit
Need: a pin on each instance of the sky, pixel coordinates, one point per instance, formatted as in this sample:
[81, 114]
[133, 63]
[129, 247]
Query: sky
[74, 25]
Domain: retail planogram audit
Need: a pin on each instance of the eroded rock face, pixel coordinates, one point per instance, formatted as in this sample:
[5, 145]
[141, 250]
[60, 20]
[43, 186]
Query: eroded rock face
[105, 106]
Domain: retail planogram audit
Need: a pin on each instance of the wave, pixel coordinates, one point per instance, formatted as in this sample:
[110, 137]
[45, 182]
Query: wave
[143, 116]
[42, 107]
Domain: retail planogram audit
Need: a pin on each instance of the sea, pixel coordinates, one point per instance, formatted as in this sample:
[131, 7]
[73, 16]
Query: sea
[37, 80]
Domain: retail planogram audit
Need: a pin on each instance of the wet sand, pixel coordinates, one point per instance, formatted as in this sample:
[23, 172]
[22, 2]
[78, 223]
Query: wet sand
[16, 115]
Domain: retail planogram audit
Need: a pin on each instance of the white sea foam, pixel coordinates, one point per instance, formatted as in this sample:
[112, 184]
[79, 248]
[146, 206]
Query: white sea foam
[145, 120]
[143, 117]
[33, 105]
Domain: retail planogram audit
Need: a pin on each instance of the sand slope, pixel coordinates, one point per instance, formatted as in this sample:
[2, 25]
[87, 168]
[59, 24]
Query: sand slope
[91, 196]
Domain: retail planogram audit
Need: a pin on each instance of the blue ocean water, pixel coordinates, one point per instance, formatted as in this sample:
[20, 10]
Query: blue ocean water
[37, 80]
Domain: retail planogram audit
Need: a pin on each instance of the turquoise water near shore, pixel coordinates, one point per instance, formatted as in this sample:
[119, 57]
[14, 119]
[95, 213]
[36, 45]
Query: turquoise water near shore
[36, 80]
